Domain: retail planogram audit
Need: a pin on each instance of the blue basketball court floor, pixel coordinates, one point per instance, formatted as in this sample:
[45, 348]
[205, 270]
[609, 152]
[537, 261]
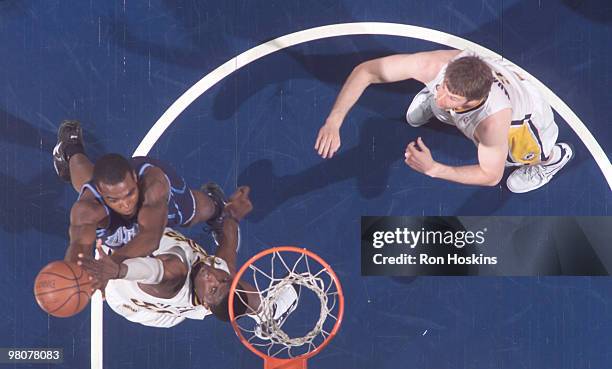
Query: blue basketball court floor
[118, 66]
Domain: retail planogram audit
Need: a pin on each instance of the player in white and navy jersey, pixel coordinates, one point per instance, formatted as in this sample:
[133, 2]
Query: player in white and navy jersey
[127, 203]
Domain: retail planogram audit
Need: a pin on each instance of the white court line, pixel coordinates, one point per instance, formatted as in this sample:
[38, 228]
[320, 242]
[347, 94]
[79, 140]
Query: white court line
[96, 325]
[96, 342]
[335, 30]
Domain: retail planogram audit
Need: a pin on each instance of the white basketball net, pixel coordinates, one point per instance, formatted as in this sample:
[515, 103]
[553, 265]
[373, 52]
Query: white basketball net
[268, 334]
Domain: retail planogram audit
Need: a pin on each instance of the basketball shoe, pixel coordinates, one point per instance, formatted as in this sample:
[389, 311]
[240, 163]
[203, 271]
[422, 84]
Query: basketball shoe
[69, 142]
[531, 177]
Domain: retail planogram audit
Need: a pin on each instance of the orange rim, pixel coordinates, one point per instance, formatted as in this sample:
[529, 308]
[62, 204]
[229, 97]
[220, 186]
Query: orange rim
[298, 250]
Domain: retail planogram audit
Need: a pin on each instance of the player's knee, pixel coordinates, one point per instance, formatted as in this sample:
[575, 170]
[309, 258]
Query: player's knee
[412, 122]
[408, 120]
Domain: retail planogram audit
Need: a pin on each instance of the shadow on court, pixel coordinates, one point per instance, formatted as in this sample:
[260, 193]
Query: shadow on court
[196, 21]
[388, 100]
[381, 145]
[596, 10]
[35, 203]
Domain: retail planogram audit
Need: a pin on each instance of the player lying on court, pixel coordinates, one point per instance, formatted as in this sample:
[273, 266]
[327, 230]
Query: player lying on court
[181, 280]
[485, 98]
[127, 202]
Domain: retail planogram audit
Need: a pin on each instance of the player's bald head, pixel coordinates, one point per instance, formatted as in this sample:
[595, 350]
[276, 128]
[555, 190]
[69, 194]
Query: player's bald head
[111, 169]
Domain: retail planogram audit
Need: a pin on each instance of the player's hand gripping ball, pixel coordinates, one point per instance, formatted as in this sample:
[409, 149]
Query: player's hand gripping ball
[62, 289]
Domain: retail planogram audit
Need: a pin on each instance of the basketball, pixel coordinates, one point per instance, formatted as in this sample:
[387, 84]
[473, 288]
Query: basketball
[62, 289]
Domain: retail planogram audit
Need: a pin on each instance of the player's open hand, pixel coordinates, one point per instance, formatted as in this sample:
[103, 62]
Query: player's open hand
[328, 140]
[239, 204]
[418, 157]
[101, 270]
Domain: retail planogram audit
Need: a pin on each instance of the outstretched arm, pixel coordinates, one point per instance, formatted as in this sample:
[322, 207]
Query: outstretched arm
[238, 207]
[420, 66]
[152, 217]
[84, 218]
[166, 269]
[492, 152]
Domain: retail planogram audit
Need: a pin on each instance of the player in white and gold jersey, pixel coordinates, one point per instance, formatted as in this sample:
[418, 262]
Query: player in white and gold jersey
[145, 302]
[180, 280]
[486, 99]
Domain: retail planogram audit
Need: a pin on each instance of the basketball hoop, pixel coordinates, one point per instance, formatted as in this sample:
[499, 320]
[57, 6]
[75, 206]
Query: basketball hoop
[287, 280]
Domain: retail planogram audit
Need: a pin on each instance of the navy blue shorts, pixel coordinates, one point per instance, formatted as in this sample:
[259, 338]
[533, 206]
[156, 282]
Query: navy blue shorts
[181, 203]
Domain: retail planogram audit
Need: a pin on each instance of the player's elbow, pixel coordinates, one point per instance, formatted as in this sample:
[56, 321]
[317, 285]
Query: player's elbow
[493, 183]
[493, 180]
[491, 177]
[365, 72]
[361, 68]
